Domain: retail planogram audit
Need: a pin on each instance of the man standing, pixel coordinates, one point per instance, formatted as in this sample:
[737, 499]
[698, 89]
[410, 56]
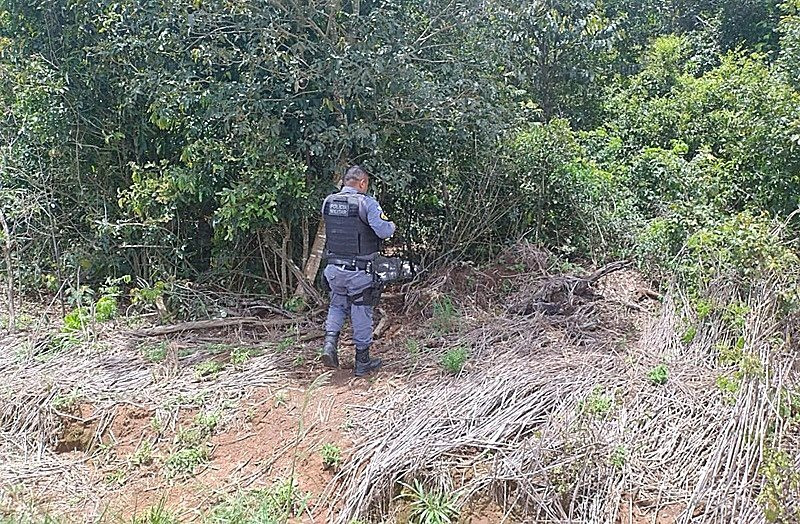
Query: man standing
[354, 227]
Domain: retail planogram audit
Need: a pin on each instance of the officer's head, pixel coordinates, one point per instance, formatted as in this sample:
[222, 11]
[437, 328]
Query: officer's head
[356, 177]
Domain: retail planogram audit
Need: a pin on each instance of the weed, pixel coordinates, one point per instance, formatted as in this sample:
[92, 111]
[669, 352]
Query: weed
[66, 402]
[658, 375]
[729, 385]
[299, 360]
[789, 404]
[185, 461]
[413, 348]
[207, 422]
[781, 485]
[216, 348]
[703, 308]
[76, 320]
[281, 399]
[597, 403]
[454, 359]
[207, 369]
[143, 456]
[689, 335]
[156, 425]
[429, 506]
[154, 352]
[264, 506]
[445, 315]
[106, 308]
[284, 344]
[240, 355]
[735, 314]
[22, 322]
[188, 437]
[158, 514]
[618, 457]
[750, 365]
[729, 355]
[115, 477]
[331, 456]
[295, 304]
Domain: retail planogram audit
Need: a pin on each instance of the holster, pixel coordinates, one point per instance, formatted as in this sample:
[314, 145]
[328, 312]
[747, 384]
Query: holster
[370, 296]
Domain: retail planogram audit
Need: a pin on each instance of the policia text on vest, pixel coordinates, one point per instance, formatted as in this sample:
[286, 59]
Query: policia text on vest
[355, 227]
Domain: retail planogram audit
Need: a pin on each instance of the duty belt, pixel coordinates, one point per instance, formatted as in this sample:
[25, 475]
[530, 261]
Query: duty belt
[351, 264]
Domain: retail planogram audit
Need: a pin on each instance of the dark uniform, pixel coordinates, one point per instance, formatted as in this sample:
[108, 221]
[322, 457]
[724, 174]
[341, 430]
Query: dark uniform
[355, 227]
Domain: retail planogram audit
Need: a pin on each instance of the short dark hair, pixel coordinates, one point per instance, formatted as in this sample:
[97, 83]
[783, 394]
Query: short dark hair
[354, 174]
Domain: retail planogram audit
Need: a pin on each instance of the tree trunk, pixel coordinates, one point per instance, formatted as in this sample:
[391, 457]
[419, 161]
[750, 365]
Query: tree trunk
[315, 256]
[7, 247]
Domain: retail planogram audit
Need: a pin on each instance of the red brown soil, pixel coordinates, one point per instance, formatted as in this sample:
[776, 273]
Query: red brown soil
[255, 449]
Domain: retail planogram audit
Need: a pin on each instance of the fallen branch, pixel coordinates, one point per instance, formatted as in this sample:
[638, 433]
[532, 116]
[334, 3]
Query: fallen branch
[212, 324]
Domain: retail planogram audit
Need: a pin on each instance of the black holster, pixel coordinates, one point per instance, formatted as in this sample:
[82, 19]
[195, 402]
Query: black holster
[370, 296]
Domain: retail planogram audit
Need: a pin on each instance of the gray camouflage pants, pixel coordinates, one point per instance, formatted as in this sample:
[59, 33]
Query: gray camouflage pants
[345, 283]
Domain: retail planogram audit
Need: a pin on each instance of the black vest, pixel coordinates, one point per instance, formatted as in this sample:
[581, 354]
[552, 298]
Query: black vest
[348, 235]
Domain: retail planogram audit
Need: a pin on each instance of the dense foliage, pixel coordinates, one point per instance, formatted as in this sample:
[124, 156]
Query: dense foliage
[193, 140]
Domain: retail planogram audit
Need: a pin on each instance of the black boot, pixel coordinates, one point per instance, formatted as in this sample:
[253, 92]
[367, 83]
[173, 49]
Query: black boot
[329, 356]
[364, 364]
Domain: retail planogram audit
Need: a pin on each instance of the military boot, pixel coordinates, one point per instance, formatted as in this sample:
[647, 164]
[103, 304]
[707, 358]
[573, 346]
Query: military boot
[329, 356]
[364, 364]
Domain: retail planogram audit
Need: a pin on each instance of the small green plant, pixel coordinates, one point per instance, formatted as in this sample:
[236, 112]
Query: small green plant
[284, 344]
[281, 399]
[295, 304]
[413, 348]
[729, 385]
[207, 422]
[143, 456]
[106, 308]
[76, 320]
[299, 360]
[274, 505]
[454, 359]
[658, 375]
[115, 477]
[331, 456]
[156, 425]
[154, 352]
[207, 369]
[66, 402]
[240, 355]
[445, 315]
[689, 335]
[703, 307]
[185, 461]
[597, 403]
[618, 457]
[429, 506]
[781, 485]
[158, 514]
[735, 314]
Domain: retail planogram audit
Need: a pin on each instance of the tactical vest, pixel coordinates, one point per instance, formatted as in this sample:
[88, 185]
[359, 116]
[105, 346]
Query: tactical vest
[348, 235]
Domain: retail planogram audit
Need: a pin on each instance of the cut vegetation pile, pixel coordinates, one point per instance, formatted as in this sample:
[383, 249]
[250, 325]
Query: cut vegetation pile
[559, 419]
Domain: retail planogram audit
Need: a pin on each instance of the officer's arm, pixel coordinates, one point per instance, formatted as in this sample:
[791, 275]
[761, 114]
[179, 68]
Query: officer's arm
[378, 221]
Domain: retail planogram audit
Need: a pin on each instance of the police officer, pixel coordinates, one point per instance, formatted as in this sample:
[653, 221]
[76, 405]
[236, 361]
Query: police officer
[355, 225]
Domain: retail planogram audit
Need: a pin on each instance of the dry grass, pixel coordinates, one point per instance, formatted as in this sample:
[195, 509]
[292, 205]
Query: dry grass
[558, 421]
